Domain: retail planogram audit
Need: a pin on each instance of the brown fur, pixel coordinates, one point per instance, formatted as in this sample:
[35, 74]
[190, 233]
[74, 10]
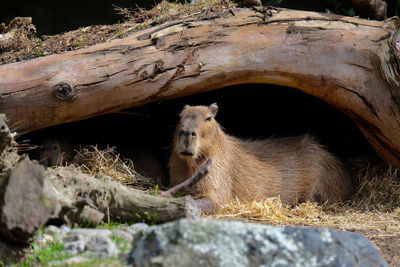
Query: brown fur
[294, 168]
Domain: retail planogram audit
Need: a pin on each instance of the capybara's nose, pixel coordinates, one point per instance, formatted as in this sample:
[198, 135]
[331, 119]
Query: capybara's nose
[187, 133]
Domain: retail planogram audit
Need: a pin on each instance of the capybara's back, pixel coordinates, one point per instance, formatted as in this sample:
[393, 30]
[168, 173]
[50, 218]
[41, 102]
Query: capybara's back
[294, 168]
[305, 169]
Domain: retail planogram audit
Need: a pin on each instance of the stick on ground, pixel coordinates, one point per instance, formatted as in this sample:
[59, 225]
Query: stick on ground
[185, 185]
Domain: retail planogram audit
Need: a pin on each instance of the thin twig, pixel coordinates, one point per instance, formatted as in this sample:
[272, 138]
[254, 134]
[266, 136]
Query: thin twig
[188, 182]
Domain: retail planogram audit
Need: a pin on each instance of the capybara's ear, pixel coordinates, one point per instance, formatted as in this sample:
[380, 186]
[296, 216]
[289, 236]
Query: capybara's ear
[186, 106]
[214, 109]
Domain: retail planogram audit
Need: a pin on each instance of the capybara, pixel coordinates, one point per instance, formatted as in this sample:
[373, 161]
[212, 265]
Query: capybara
[55, 151]
[295, 168]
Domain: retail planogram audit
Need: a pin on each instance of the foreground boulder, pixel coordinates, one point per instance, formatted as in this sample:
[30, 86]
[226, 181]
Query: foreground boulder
[206, 242]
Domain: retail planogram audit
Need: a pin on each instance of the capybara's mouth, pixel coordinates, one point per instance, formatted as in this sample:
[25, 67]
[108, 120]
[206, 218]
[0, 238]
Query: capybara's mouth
[187, 153]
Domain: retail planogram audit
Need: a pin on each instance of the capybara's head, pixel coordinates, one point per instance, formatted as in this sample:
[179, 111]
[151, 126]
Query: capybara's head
[196, 130]
[50, 153]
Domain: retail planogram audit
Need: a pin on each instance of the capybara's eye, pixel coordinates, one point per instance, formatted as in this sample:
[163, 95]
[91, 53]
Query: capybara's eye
[208, 119]
[193, 134]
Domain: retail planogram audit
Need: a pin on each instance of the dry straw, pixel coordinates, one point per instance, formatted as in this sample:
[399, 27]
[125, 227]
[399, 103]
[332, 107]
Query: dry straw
[374, 207]
[93, 161]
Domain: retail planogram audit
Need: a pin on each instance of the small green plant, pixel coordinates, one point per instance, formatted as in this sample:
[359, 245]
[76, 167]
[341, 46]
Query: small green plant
[122, 33]
[109, 226]
[148, 219]
[156, 190]
[79, 43]
[156, 216]
[140, 27]
[180, 194]
[39, 53]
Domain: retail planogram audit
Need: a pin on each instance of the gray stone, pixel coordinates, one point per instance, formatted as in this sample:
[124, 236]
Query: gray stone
[28, 201]
[44, 240]
[65, 229]
[122, 234]
[74, 247]
[139, 227]
[53, 230]
[92, 241]
[136, 230]
[86, 233]
[101, 246]
[73, 260]
[207, 242]
[58, 233]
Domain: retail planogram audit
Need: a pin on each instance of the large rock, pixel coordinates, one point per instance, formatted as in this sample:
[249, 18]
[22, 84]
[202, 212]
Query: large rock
[206, 242]
[27, 201]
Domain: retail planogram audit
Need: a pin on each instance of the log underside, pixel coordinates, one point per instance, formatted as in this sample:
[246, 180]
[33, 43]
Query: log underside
[350, 63]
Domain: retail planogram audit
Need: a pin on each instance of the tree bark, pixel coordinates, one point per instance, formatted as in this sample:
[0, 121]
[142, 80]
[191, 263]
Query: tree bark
[352, 64]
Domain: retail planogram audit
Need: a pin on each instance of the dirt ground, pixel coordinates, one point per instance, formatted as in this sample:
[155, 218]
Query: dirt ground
[388, 245]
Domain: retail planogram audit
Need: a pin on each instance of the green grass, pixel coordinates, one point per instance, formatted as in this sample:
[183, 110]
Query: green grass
[44, 255]
[110, 225]
[156, 190]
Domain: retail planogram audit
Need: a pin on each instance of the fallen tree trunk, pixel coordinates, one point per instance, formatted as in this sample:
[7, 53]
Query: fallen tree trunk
[352, 64]
[116, 201]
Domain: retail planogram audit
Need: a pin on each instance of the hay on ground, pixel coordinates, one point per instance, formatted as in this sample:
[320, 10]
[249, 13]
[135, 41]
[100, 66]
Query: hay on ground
[93, 161]
[374, 207]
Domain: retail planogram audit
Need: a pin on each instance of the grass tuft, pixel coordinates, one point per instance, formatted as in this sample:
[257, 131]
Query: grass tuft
[44, 255]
